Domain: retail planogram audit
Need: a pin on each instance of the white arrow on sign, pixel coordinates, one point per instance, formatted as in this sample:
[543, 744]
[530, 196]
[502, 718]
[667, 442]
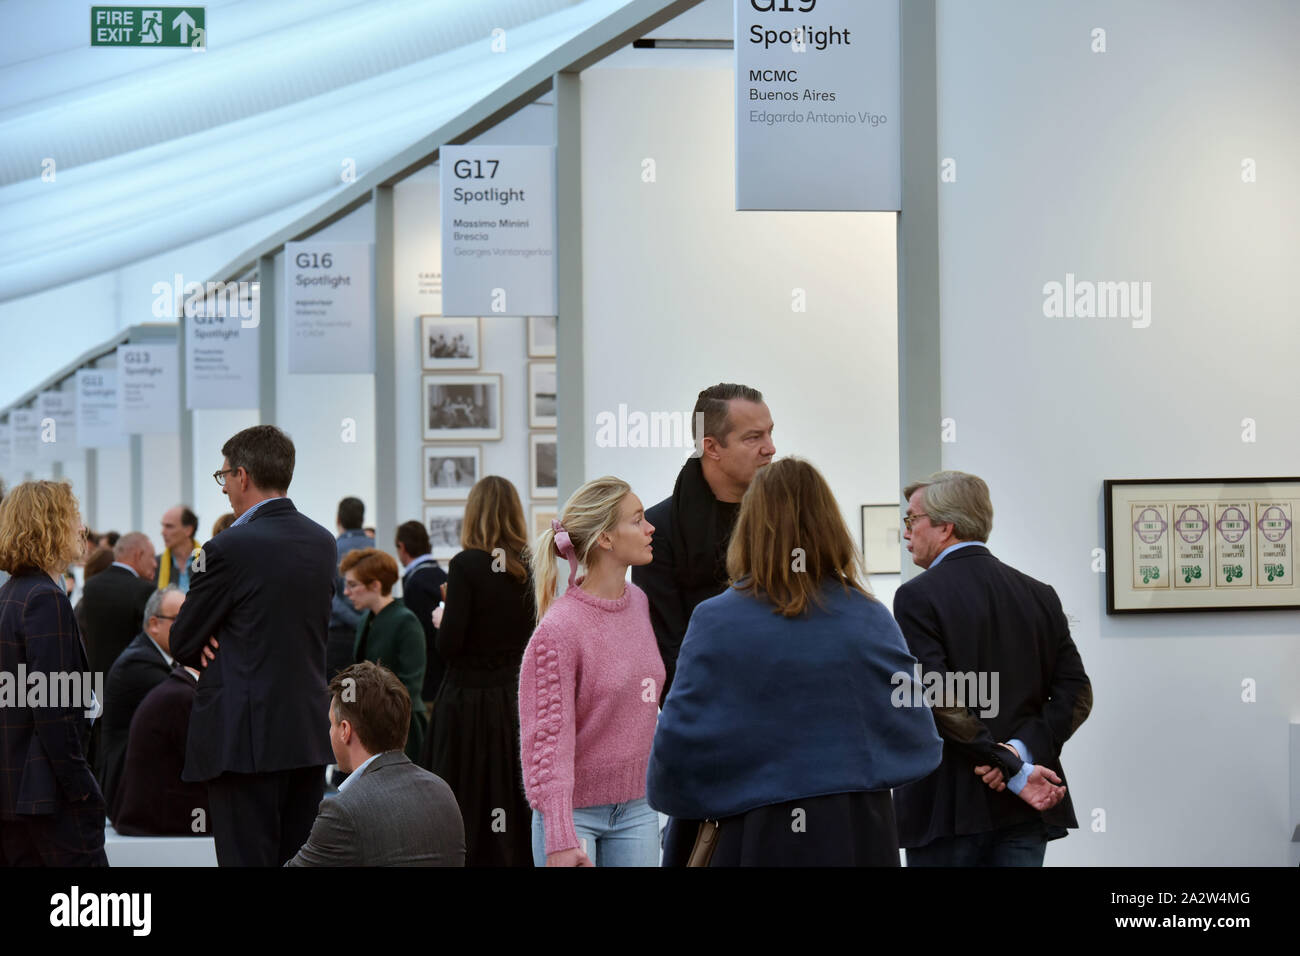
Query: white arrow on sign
[186, 23]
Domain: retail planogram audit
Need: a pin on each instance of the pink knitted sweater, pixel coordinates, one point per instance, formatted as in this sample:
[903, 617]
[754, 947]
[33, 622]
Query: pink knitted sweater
[588, 701]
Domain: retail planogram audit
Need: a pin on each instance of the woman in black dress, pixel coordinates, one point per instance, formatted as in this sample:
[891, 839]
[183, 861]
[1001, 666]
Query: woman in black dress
[483, 627]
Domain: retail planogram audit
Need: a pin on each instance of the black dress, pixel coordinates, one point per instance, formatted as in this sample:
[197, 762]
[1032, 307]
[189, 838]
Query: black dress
[837, 829]
[473, 740]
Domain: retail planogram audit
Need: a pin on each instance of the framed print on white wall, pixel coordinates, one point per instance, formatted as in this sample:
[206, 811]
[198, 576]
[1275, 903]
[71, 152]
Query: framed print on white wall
[450, 471]
[462, 407]
[444, 523]
[449, 343]
[541, 336]
[541, 395]
[542, 473]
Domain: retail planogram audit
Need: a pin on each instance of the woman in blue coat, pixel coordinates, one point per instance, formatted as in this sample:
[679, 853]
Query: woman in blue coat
[782, 725]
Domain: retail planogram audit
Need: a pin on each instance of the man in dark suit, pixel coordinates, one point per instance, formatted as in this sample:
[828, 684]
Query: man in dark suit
[152, 799]
[114, 600]
[256, 617]
[388, 812]
[732, 428]
[140, 668]
[344, 618]
[422, 582]
[999, 795]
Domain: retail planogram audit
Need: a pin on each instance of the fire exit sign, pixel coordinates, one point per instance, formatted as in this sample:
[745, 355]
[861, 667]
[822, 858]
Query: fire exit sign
[148, 26]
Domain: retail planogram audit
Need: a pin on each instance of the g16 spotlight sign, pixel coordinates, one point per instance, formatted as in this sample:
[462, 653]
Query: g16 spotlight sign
[817, 105]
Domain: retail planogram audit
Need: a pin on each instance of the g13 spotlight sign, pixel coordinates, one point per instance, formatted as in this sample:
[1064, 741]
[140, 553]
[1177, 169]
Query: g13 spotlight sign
[817, 105]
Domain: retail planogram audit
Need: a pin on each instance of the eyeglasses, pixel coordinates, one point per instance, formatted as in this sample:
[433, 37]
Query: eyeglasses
[909, 520]
[220, 476]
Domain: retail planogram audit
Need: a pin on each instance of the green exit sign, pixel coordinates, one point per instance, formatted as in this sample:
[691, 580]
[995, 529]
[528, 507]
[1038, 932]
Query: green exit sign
[148, 26]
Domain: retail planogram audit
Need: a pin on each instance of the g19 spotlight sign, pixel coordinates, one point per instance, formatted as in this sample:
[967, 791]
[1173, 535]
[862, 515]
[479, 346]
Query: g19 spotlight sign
[817, 105]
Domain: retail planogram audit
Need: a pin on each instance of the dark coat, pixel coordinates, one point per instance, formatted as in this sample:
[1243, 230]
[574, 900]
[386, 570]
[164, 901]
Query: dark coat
[422, 592]
[262, 705]
[137, 670]
[971, 613]
[394, 638]
[692, 531]
[43, 766]
[152, 800]
[112, 607]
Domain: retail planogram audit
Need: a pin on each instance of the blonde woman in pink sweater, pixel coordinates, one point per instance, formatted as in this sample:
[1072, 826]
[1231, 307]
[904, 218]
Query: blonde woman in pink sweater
[589, 687]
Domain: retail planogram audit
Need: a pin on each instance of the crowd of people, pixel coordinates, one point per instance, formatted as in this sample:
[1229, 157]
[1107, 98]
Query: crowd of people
[745, 682]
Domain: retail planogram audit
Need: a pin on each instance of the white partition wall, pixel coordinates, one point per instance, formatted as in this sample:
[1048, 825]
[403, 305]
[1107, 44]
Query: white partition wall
[1128, 166]
[682, 292]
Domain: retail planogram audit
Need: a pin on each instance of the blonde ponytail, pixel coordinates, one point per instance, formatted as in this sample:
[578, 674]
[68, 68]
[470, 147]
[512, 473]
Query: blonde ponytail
[591, 511]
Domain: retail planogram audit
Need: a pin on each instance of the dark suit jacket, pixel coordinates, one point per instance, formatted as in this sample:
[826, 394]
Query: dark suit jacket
[972, 613]
[394, 814]
[422, 592]
[43, 765]
[262, 705]
[113, 608]
[152, 800]
[138, 669]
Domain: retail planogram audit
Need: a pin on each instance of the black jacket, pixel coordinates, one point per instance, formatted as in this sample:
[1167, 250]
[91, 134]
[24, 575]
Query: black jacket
[422, 592]
[692, 531]
[262, 705]
[138, 669]
[152, 800]
[43, 768]
[112, 607]
[972, 613]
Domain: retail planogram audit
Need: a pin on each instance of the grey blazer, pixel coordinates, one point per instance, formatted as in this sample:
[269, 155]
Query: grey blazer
[394, 814]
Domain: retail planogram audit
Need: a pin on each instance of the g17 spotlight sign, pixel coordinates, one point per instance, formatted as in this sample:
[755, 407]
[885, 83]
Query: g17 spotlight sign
[817, 105]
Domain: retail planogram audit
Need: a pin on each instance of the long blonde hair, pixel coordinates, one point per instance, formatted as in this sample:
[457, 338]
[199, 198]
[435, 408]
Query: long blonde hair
[591, 511]
[790, 540]
[494, 518]
[40, 528]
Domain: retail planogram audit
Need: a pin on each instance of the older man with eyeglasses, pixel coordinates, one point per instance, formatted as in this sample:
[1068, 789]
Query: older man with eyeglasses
[999, 794]
[254, 625]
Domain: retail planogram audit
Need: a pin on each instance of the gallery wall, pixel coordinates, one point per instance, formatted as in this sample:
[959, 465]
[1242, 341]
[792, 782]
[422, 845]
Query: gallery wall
[1127, 165]
[681, 291]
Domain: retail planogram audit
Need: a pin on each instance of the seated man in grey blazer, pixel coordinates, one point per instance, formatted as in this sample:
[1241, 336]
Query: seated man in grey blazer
[388, 812]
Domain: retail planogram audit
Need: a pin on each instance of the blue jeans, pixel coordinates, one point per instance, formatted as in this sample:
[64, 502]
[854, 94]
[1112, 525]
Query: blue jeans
[617, 834]
[1021, 845]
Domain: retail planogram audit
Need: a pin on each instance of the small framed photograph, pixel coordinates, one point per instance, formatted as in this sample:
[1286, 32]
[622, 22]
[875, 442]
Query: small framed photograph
[542, 474]
[540, 517]
[541, 336]
[448, 343]
[444, 523]
[541, 395]
[450, 471]
[882, 527]
[462, 407]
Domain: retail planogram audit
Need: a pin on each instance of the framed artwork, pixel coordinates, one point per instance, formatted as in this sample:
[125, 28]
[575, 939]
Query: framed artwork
[450, 471]
[882, 528]
[462, 407]
[541, 395]
[541, 336]
[444, 523]
[542, 474]
[1201, 544]
[448, 343]
[539, 520]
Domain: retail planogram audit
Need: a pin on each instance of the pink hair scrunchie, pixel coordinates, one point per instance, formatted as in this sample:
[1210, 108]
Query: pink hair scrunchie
[564, 547]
